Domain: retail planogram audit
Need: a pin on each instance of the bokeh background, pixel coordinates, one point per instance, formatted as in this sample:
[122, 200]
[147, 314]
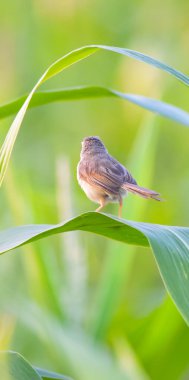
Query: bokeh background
[81, 304]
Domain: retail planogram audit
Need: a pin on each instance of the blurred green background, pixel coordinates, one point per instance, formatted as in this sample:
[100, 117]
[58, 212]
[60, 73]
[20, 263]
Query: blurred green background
[80, 304]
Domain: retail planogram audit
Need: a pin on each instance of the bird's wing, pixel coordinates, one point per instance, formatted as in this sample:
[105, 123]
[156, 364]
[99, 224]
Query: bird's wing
[106, 174]
[117, 167]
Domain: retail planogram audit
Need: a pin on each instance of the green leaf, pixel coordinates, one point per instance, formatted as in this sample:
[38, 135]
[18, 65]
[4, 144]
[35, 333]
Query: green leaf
[84, 92]
[85, 51]
[46, 375]
[169, 244]
[58, 66]
[14, 367]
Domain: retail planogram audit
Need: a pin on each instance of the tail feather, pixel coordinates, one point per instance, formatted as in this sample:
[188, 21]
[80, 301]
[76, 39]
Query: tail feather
[145, 193]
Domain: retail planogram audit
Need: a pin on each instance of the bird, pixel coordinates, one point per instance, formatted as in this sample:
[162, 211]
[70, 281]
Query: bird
[103, 178]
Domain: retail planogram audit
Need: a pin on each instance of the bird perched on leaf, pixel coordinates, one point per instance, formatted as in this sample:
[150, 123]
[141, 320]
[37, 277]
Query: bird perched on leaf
[103, 178]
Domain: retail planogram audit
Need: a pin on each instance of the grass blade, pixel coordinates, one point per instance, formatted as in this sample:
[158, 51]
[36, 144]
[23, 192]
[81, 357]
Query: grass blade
[58, 66]
[149, 60]
[14, 367]
[169, 244]
[47, 375]
[85, 92]
[85, 51]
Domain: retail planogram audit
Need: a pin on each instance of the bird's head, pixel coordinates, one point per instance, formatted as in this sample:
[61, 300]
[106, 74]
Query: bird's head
[92, 145]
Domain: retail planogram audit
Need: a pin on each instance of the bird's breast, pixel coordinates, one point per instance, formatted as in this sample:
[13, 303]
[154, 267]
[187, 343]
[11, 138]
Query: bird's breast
[91, 191]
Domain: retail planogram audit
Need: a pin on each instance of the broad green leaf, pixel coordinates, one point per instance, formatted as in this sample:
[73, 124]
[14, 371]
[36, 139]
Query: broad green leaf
[58, 66]
[47, 375]
[169, 244]
[84, 92]
[14, 367]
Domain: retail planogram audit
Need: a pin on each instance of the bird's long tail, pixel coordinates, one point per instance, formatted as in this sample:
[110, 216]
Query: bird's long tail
[145, 193]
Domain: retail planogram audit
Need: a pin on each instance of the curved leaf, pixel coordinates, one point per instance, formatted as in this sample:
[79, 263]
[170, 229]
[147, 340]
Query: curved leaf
[61, 64]
[85, 51]
[14, 367]
[84, 92]
[47, 375]
[169, 244]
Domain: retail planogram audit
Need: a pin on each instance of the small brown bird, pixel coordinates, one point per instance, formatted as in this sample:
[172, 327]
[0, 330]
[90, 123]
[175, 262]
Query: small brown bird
[103, 178]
